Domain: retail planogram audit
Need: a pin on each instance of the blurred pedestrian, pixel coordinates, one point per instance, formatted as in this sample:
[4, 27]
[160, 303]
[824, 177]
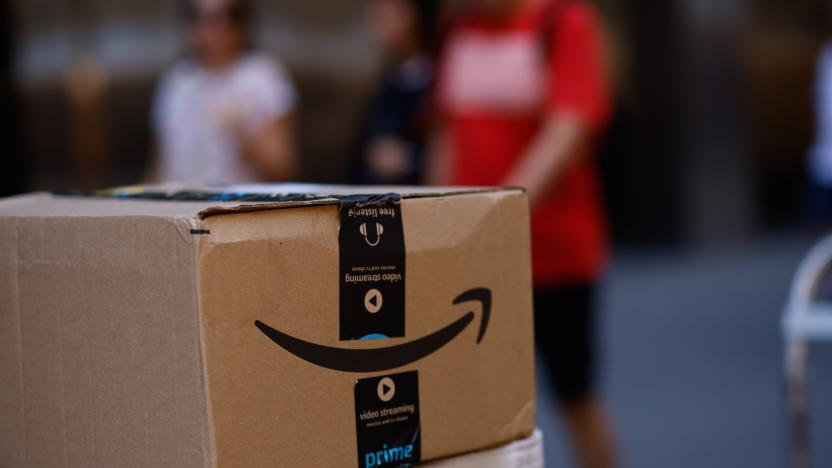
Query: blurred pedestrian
[223, 114]
[392, 146]
[820, 155]
[522, 91]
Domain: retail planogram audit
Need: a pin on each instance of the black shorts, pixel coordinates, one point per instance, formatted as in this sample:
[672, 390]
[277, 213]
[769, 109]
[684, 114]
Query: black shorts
[564, 328]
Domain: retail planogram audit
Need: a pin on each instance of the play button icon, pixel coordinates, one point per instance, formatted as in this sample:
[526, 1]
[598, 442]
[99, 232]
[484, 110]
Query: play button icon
[386, 389]
[372, 301]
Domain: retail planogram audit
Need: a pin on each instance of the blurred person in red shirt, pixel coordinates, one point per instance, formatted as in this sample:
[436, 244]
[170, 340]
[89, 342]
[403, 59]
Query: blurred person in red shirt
[223, 113]
[523, 96]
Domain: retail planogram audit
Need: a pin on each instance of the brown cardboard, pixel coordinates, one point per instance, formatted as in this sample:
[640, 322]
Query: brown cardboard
[127, 332]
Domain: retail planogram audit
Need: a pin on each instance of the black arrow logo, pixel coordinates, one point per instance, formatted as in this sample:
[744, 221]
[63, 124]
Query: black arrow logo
[381, 359]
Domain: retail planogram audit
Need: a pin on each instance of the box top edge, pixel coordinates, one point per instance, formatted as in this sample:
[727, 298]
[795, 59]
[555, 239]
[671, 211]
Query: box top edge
[204, 201]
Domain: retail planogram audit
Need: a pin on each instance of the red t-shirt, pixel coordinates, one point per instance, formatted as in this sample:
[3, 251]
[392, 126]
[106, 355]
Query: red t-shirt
[496, 83]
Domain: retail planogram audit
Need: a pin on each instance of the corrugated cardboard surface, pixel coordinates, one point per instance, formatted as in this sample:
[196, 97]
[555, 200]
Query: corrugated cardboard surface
[99, 344]
[127, 340]
[281, 267]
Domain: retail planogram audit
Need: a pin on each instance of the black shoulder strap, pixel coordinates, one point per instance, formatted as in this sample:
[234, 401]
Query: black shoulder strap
[552, 13]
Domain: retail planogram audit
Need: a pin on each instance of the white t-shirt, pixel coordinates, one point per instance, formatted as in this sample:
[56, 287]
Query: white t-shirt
[193, 106]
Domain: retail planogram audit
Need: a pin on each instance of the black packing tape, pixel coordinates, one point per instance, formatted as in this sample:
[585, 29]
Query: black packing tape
[387, 420]
[372, 267]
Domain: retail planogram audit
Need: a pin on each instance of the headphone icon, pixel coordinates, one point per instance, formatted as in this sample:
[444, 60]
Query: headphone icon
[379, 231]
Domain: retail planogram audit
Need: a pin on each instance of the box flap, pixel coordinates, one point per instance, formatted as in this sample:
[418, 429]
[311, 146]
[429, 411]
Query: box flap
[199, 201]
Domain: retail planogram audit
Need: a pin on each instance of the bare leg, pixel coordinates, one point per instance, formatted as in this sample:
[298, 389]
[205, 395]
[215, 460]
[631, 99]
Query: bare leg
[591, 434]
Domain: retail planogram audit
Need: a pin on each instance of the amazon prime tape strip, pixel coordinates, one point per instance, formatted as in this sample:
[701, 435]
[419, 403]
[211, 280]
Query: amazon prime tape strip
[372, 306]
[387, 420]
[372, 268]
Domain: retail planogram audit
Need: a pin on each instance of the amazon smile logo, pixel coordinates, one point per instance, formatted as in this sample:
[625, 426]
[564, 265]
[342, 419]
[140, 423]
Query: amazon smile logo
[391, 357]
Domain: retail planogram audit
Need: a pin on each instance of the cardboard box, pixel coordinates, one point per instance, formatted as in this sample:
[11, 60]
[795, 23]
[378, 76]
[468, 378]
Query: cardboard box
[252, 329]
[523, 453]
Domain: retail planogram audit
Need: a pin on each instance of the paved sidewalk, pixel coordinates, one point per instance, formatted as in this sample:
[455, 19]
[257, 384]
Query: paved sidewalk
[693, 360]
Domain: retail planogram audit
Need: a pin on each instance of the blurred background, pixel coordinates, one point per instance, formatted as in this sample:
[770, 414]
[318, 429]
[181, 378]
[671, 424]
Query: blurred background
[717, 97]
[705, 176]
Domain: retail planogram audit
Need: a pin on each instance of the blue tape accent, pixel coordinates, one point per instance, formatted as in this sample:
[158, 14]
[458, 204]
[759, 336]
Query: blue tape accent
[374, 336]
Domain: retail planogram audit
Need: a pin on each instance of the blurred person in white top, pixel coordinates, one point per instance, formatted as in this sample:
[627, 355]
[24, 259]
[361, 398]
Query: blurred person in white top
[223, 113]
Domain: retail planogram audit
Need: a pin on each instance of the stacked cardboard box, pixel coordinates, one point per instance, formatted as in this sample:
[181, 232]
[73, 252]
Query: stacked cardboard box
[263, 326]
[523, 453]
